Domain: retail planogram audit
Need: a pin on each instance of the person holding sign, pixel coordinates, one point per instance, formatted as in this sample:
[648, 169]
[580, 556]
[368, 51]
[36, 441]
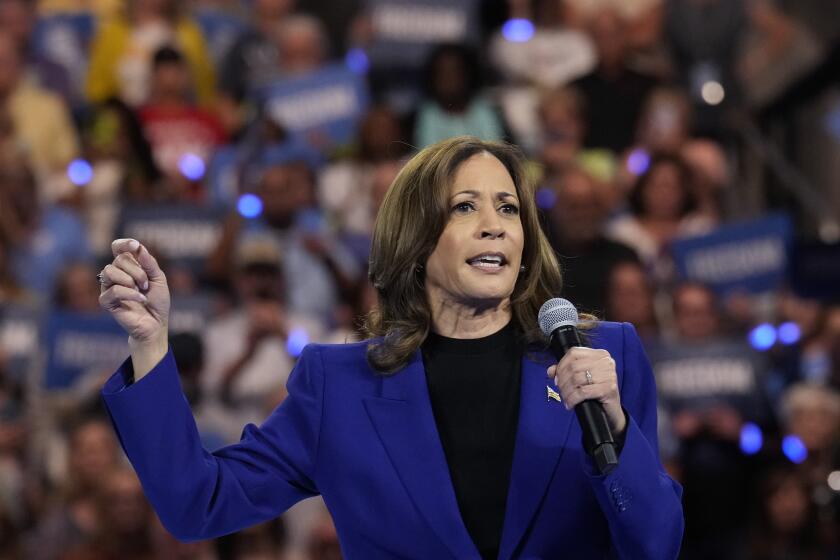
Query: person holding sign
[449, 433]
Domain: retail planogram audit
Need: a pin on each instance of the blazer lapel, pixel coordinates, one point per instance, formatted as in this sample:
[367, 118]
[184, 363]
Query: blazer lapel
[405, 423]
[544, 425]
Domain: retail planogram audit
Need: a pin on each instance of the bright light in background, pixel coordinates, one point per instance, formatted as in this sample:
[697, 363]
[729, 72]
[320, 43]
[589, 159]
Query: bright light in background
[546, 198]
[712, 92]
[794, 449]
[518, 30]
[298, 338]
[638, 161]
[249, 206]
[357, 61]
[789, 333]
[79, 172]
[751, 438]
[834, 480]
[191, 166]
[763, 336]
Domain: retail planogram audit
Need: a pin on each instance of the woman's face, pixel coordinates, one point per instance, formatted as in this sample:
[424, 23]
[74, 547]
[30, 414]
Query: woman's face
[663, 196]
[477, 257]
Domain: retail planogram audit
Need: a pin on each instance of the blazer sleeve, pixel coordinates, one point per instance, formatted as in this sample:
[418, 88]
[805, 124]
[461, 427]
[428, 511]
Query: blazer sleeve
[641, 502]
[200, 495]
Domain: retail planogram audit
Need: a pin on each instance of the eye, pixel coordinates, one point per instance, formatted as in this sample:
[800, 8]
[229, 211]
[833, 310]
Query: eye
[463, 207]
[512, 209]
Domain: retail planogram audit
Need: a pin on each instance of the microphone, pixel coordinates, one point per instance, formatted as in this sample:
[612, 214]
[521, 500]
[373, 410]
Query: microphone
[558, 320]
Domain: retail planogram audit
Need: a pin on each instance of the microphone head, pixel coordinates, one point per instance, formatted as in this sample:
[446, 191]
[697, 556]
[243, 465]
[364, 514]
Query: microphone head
[557, 312]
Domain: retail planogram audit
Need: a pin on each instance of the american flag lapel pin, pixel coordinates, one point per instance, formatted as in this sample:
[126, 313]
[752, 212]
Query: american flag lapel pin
[552, 394]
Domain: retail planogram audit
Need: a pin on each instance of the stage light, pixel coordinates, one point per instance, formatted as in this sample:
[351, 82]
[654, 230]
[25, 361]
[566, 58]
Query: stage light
[357, 61]
[546, 198]
[712, 92]
[298, 339]
[763, 337]
[79, 172]
[789, 333]
[751, 438]
[191, 167]
[249, 206]
[638, 161]
[794, 449]
[518, 30]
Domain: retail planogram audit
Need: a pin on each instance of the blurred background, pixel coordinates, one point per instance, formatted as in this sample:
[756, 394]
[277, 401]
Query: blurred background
[687, 157]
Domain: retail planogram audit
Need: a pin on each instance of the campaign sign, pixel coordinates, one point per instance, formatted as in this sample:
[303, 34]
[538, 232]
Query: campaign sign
[404, 31]
[231, 166]
[321, 108]
[749, 256]
[220, 30]
[64, 39]
[700, 376]
[19, 336]
[78, 343]
[183, 234]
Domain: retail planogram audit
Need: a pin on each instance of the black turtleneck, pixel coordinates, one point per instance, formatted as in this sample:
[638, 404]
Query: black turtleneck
[474, 389]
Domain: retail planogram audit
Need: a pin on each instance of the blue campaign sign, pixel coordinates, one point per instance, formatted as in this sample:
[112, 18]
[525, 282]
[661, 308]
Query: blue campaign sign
[750, 256]
[321, 109]
[81, 343]
[220, 30]
[184, 234]
[223, 176]
[65, 40]
[405, 30]
[20, 327]
[231, 166]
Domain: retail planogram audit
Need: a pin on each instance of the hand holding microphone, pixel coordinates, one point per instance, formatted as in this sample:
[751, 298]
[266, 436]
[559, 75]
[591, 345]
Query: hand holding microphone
[586, 380]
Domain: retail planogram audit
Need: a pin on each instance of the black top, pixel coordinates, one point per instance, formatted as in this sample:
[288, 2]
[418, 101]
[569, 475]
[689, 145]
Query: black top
[474, 389]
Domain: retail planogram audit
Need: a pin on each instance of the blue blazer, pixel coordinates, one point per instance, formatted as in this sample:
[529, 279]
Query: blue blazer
[369, 445]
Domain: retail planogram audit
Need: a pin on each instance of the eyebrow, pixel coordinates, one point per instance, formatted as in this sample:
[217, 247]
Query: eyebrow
[499, 195]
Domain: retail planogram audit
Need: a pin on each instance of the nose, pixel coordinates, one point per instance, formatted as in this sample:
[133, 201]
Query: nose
[490, 225]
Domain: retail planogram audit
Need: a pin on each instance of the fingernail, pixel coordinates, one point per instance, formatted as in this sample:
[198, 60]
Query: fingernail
[133, 244]
[145, 285]
[143, 298]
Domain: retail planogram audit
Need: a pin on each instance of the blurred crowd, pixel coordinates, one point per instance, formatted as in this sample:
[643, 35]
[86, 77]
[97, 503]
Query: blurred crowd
[631, 114]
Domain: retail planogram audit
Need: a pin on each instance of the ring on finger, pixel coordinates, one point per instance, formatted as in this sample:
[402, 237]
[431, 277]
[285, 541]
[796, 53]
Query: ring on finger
[589, 377]
[100, 279]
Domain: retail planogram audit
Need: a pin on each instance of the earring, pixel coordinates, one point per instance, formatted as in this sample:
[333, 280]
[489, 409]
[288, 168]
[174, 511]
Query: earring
[523, 268]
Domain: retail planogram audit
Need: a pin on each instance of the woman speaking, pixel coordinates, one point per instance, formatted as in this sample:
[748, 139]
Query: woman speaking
[450, 432]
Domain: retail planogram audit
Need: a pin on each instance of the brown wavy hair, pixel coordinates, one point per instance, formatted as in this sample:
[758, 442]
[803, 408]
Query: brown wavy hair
[410, 221]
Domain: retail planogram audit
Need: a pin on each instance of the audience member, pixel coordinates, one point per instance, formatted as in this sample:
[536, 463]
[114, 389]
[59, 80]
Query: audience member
[613, 91]
[453, 102]
[37, 119]
[122, 51]
[576, 231]
[176, 128]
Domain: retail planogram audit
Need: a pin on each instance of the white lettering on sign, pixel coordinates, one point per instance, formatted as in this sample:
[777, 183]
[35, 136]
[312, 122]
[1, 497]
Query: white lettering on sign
[18, 337]
[83, 350]
[183, 320]
[698, 377]
[734, 261]
[314, 107]
[419, 24]
[176, 239]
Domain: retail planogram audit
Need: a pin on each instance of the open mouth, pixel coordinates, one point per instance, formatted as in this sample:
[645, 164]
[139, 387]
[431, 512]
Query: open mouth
[488, 261]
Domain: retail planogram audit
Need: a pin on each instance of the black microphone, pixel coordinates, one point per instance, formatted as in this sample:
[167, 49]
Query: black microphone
[558, 320]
